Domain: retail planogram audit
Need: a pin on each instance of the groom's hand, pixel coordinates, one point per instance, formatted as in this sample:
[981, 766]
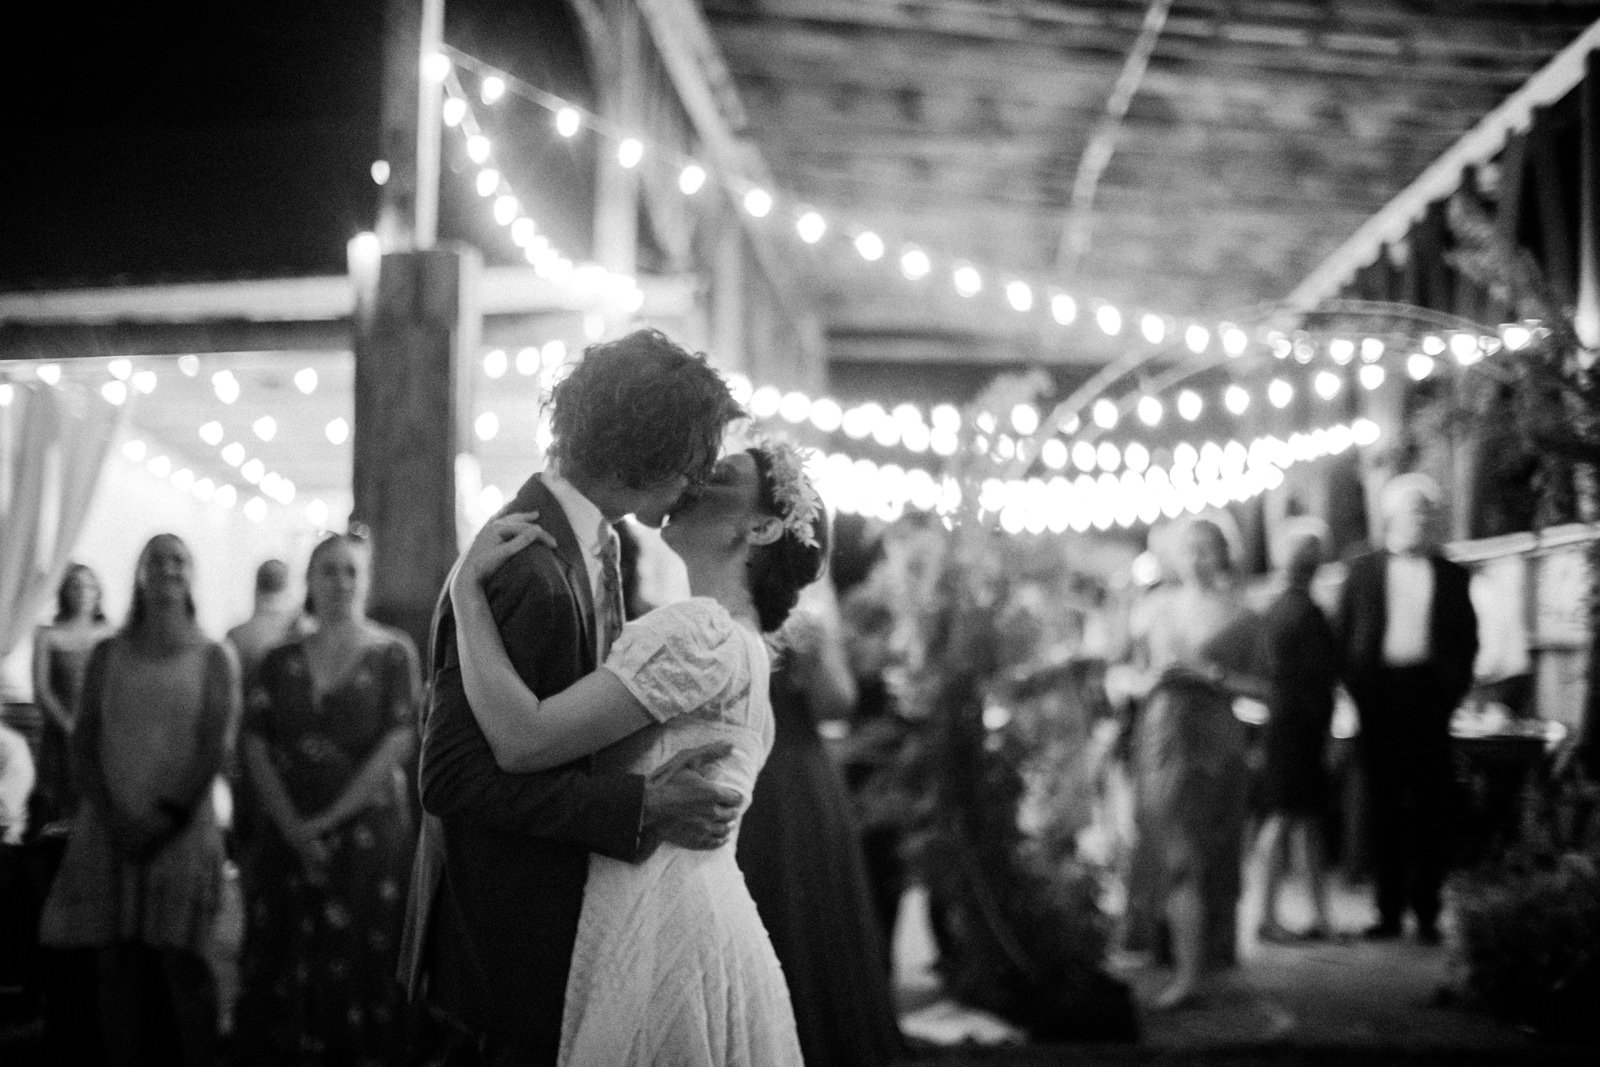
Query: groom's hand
[682, 805]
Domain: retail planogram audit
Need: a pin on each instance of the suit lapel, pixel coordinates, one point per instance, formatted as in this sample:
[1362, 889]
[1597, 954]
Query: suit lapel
[536, 496]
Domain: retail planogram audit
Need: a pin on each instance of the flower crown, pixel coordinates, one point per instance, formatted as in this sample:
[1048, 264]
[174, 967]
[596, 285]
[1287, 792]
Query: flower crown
[792, 491]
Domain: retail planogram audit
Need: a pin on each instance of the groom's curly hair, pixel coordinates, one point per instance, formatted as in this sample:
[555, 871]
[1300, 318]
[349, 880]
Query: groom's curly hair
[642, 408]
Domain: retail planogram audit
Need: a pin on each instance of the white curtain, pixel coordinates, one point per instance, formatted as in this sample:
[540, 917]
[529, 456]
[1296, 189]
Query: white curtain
[53, 445]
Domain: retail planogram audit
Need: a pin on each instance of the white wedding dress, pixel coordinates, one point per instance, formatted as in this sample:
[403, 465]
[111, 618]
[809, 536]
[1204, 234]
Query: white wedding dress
[672, 965]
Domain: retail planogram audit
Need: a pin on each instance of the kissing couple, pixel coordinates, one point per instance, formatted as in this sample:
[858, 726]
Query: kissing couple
[575, 898]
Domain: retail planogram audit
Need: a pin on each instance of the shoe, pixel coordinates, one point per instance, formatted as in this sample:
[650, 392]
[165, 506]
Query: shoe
[1383, 931]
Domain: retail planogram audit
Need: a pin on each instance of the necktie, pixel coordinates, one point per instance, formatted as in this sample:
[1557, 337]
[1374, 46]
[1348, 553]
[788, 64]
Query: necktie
[609, 611]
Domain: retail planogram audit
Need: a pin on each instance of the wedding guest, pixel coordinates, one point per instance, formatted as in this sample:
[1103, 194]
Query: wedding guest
[801, 856]
[1303, 668]
[1409, 635]
[60, 656]
[142, 876]
[1202, 648]
[330, 723]
[275, 618]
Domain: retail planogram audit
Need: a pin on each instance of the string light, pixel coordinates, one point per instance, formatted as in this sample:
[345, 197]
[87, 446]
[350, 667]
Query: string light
[492, 88]
[211, 433]
[691, 179]
[1419, 365]
[870, 246]
[1371, 376]
[305, 380]
[1279, 394]
[811, 226]
[758, 202]
[968, 281]
[266, 427]
[1236, 399]
[337, 431]
[1063, 309]
[915, 264]
[1109, 319]
[630, 150]
[1189, 405]
[1327, 384]
[1150, 411]
[1019, 294]
[1153, 328]
[568, 122]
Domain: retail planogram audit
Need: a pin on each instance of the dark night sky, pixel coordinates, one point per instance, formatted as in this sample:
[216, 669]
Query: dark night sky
[162, 141]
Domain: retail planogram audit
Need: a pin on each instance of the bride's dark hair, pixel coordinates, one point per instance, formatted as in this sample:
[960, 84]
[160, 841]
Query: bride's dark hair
[780, 570]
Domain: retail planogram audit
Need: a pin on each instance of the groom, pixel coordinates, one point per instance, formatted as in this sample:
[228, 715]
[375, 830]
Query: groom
[500, 871]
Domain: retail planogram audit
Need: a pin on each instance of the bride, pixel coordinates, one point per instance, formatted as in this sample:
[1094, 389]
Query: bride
[671, 964]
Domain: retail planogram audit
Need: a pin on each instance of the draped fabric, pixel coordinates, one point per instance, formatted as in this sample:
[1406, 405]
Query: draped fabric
[53, 445]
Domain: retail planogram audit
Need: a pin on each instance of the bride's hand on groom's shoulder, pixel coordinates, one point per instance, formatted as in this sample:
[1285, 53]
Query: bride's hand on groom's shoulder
[499, 540]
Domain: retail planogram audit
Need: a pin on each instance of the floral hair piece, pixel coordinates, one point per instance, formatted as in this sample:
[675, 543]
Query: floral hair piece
[792, 491]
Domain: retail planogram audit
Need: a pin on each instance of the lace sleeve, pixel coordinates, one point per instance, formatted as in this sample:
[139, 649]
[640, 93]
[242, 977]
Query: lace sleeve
[679, 658]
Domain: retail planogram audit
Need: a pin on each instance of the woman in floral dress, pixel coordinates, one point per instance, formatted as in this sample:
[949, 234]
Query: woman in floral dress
[329, 727]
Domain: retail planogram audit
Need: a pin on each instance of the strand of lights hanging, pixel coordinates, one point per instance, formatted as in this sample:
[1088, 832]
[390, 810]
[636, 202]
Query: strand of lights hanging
[588, 280]
[916, 262]
[263, 488]
[1211, 476]
[906, 426]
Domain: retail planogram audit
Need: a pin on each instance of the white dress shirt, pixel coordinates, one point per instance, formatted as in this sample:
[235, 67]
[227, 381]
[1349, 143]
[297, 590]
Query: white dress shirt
[587, 523]
[1408, 587]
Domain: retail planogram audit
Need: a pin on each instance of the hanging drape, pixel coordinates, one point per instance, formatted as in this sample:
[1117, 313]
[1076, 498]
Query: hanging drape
[53, 445]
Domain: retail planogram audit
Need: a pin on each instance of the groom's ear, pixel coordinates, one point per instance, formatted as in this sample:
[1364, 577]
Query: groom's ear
[765, 530]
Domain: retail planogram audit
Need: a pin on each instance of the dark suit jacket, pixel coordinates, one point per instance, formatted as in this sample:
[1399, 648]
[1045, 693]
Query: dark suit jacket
[501, 868]
[1363, 616]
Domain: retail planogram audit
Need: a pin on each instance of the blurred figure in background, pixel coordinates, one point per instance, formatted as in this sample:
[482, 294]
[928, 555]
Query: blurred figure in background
[1409, 635]
[1303, 668]
[60, 657]
[329, 725]
[1202, 648]
[274, 620]
[801, 856]
[142, 876]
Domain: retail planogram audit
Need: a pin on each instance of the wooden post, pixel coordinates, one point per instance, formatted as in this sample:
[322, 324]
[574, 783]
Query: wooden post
[616, 202]
[1586, 320]
[414, 321]
[410, 337]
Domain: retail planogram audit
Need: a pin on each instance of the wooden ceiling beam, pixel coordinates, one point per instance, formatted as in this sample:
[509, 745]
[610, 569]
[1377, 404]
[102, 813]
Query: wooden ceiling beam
[1347, 34]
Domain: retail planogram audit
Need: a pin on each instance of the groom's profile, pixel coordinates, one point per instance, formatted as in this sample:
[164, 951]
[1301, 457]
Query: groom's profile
[502, 862]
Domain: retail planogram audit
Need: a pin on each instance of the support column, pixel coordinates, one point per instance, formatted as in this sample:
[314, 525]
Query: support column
[414, 326]
[616, 203]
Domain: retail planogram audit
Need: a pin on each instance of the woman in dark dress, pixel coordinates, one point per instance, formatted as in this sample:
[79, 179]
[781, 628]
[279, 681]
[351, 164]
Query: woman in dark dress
[329, 725]
[60, 657]
[1303, 658]
[801, 858]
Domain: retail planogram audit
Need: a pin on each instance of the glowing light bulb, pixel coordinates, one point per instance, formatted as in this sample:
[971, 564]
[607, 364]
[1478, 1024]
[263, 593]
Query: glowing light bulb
[1054, 453]
[1279, 393]
[8, 393]
[1083, 456]
[1341, 350]
[1150, 410]
[255, 509]
[794, 406]
[49, 373]
[1515, 336]
[691, 179]
[492, 88]
[305, 380]
[436, 66]
[1136, 456]
[915, 264]
[1371, 350]
[317, 513]
[487, 182]
[1063, 309]
[870, 246]
[629, 152]
[1419, 366]
[764, 402]
[211, 433]
[1107, 457]
[811, 226]
[1234, 340]
[1197, 337]
[115, 392]
[1190, 405]
[486, 426]
[338, 431]
[1153, 328]
[266, 427]
[1025, 418]
[1365, 432]
[1105, 413]
[945, 417]
[452, 111]
[226, 386]
[505, 209]
[1464, 346]
[1327, 384]
[478, 148]
[968, 281]
[568, 121]
[758, 202]
[1109, 319]
[1371, 376]
[144, 381]
[1433, 344]
[121, 369]
[826, 415]
[494, 363]
[233, 454]
[1019, 295]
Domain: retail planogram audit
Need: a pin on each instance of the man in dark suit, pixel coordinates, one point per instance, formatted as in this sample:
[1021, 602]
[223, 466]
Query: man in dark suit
[503, 858]
[1409, 636]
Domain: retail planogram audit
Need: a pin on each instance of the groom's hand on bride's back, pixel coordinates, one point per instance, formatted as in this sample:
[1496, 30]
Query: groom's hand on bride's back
[684, 806]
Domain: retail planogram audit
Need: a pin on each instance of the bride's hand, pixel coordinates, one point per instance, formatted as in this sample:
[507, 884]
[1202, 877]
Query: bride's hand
[498, 541]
